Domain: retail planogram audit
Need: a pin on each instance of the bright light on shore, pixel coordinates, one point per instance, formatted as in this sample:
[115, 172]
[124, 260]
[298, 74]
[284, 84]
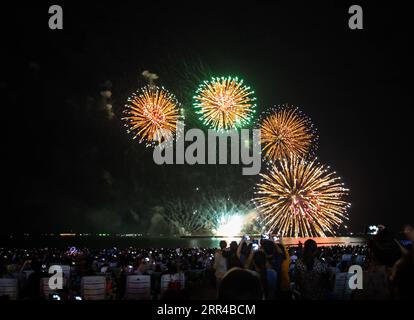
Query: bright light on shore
[230, 225]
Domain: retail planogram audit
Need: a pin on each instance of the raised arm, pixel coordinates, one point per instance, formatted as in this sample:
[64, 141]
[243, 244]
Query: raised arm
[239, 248]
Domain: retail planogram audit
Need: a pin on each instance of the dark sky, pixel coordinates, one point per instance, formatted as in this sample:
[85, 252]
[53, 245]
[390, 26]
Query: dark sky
[68, 167]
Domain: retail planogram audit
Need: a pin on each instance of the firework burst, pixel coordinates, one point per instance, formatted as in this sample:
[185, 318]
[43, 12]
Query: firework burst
[208, 215]
[301, 198]
[186, 218]
[224, 103]
[151, 114]
[287, 131]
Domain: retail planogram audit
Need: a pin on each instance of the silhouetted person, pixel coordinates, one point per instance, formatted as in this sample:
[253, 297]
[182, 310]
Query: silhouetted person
[233, 260]
[267, 275]
[33, 281]
[383, 253]
[239, 284]
[312, 274]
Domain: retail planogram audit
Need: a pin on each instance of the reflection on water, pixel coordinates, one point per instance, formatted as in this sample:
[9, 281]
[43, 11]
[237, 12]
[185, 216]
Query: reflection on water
[162, 242]
[326, 241]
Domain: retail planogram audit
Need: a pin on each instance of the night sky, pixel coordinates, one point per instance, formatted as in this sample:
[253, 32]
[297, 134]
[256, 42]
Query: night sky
[68, 166]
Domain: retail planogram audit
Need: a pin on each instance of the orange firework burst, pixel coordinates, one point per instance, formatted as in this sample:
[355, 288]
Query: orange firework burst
[286, 131]
[151, 114]
[301, 198]
[224, 103]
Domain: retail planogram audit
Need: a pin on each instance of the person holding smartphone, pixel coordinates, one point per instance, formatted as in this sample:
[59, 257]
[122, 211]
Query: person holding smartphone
[258, 264]
[244, 249]
[254, 247]
[220, 263]
[233, 260]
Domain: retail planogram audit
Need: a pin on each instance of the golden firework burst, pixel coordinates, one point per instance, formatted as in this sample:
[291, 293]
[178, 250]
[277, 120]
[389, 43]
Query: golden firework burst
[151, 114]
[301, 198]
[224, 103]
[287, 131]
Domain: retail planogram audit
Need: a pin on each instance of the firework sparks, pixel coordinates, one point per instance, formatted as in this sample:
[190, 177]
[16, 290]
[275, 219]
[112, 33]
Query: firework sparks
[286, 131]
[301, 198]
[186, 218]
[229, 225]
[228, 218]
[151, 114]
[224, 103]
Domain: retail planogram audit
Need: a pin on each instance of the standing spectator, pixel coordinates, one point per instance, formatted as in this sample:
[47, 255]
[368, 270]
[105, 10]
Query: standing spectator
[268, 276]
[233, 260]
[292, 263]
[243, 251]
[220, 263]
[277, 258]
[312, 276]
[383, 252]
[284, 282]
[402, 274]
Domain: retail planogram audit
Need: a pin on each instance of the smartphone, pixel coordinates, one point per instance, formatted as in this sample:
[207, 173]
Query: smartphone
[146, 259]
[78, 298]
[255, 246]
[275, 238]
[246, 237]
[264, 237]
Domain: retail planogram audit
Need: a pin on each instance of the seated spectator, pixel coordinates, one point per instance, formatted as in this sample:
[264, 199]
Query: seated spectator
[33, 282]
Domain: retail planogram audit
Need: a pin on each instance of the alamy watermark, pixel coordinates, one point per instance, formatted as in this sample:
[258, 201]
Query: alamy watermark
[211, 149]
[355, 280]
[56, 18]
[56, 280]
[355, 21]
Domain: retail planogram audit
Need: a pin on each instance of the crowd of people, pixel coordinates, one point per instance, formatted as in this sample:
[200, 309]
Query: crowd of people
[251, 269]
